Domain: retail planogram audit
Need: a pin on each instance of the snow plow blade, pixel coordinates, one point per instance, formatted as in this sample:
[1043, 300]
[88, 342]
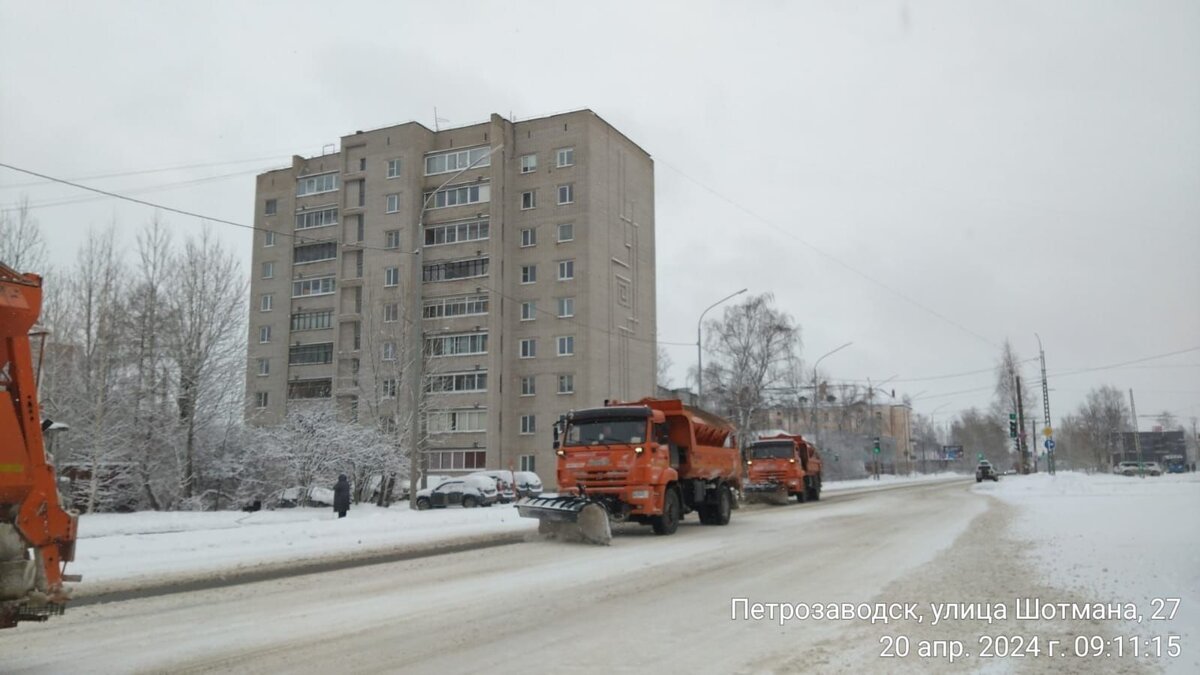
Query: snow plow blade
[569, 518]
[777, 495]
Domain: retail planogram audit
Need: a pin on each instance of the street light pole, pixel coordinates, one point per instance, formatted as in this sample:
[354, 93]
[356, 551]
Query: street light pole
[815, 423]
[416, 334]
[700, 348]
[1050, 464]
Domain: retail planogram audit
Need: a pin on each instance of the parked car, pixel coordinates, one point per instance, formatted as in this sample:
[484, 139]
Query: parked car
[294, 496]
[503, 481]
[985, 471]
[1136, 468]
[528, 484]
[514, 484]
[1152, 468]
[467, 492]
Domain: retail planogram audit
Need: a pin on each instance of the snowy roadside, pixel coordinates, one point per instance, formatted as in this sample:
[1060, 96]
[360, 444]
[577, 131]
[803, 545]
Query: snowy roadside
[1117, 539]
[122, 549]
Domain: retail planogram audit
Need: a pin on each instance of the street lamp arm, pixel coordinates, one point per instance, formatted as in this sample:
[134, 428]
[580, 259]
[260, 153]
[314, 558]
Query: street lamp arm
[700, 348]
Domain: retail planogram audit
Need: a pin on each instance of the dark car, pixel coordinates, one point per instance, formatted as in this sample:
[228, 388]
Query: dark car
[985, 471]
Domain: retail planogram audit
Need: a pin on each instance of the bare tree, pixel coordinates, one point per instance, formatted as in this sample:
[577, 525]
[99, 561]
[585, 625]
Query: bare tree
[663, 368]
[978, 433]
[1168, 421]
[1103, 415]
[204, 336]
[754, 346]
[21, 245]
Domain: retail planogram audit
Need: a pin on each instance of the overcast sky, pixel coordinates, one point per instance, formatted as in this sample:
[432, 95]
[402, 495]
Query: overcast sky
[923, 179]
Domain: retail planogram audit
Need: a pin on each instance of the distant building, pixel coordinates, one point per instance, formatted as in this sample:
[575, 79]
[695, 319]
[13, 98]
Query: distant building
[1155, 446]
[536, 269]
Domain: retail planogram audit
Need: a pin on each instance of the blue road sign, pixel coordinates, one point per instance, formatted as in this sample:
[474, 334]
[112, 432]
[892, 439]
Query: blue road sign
[1049, 443]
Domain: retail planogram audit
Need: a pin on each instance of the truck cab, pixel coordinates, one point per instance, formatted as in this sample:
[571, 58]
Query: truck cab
[783, 466]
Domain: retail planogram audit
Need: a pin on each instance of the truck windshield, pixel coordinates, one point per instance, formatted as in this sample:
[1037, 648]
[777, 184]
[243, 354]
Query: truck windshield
[606, 432]
[771, 451]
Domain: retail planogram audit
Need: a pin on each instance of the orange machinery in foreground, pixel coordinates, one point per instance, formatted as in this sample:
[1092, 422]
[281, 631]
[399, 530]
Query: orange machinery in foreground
[650, 461]
[37, 536]
[782, 466]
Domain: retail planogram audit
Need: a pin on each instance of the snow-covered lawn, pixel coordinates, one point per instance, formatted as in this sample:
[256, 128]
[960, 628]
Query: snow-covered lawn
[888, 480]
[121, 547]
[1116, 539]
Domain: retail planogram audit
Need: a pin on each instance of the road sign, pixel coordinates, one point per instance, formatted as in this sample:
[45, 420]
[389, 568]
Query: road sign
[981, 455]
[1047, 432]
[1049, 443]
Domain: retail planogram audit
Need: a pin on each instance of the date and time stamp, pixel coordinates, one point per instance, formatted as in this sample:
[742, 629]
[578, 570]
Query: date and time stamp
[1156, 642]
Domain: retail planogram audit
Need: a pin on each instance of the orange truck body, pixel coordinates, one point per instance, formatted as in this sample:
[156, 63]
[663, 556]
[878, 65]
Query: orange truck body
[785, 463]
[37, 536]
[668, 449]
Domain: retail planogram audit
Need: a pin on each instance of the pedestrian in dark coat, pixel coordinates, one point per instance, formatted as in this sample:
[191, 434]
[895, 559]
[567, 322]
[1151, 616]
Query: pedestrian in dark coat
[341, 496]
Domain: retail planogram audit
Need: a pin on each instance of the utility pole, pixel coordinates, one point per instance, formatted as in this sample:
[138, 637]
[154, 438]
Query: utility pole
[1137, 438]
[1046, 409]
[1022, 449]
[1033, 439]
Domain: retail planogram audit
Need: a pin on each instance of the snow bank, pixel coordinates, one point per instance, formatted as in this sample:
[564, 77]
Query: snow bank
[122, 547]
[835, 485]
[1115, 539]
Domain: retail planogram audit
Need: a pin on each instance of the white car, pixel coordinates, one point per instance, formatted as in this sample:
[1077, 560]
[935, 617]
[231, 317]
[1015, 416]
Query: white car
[514, 484]
[467, 492]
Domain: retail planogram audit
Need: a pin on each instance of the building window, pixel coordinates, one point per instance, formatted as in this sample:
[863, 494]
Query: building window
[389, 351]
[389, 387]
[307, 220]
[566, 345]
[566, 384]
[312, 320]
[312, 185]
[391, 312]
[393, 203]
[391, 239]
[458, 383]
[528, 311]
[566, 270]
[528, 385]
[566, 232]
[360, 228]
[264, 334]
[264, 367]
[566, 307]
[457, 160]
[268, 270]
[356, 336]
[314, 252]
[529, 200]
[566, 157]
[260, 399]
[528, 274]
[300, 389]
[393, 168]
[458, 269]
[463, 344]
[453, 233]
[528, 163]
[528, 424]
[268, 239]
[308, 287]
[457, 421]
[271, 207]
[458, 195]
[529, 348]
[358, 268]
[462, 305]
[566, 193]
[266, 302]
[362, 163]
[528, 237]
[457, 460]
[358, 299]
[391, 276]
[307, 355]
[527, 463]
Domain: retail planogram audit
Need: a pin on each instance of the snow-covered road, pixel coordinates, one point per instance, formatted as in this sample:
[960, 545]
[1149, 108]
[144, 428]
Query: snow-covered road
[644, 604]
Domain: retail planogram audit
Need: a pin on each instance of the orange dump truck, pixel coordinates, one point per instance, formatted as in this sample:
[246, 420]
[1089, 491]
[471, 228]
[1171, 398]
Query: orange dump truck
[650, 461]
[778, 467]
[37, 536]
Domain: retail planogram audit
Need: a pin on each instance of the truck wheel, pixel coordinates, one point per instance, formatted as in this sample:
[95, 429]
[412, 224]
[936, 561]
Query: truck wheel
[815, 495]
[668, 522]
[718, 514]
[802, 495]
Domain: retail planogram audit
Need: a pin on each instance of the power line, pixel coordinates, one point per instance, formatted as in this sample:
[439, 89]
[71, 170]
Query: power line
[163, 169]
[302, 239]
[1125, 363]
[150, 188]
[830, 256]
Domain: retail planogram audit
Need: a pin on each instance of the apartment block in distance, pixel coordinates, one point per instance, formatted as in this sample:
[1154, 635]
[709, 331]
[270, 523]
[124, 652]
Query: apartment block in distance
[533, 244]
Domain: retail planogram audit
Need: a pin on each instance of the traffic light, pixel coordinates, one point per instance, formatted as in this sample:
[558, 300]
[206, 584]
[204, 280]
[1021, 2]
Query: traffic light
[876, 449]
[1012, 425]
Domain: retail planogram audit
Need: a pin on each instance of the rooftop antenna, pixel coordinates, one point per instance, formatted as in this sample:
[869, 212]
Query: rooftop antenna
[437, 120]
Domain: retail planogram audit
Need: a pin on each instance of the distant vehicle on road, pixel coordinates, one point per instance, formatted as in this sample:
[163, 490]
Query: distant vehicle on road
[1175, 464]
[985, 471]
[467, 492]
[1137, 469]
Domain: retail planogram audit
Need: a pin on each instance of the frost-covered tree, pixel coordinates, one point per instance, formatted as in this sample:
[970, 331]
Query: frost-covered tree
[21, 244]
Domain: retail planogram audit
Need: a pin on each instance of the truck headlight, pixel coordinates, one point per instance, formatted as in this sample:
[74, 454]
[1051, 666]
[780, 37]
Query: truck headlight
[639, 449]
[560, 453]
[640, 494]
[748, 462]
